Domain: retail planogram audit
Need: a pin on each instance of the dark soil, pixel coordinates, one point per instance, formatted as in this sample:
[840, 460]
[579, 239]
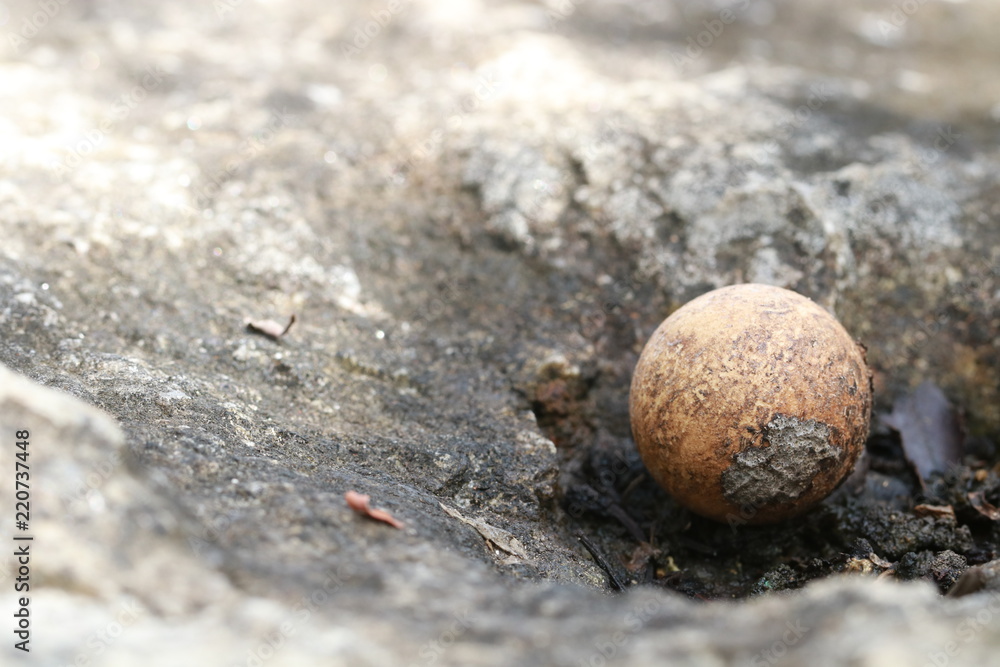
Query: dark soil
[871, 524]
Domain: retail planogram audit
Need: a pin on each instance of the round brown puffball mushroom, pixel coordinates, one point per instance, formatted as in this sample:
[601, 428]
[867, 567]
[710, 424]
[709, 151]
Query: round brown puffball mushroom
[750, 404]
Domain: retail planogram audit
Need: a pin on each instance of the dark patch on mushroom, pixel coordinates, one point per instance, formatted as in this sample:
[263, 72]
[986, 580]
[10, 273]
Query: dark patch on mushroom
[797, 450]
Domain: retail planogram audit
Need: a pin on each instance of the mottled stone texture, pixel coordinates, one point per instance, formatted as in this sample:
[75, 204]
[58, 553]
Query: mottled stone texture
[478, 212]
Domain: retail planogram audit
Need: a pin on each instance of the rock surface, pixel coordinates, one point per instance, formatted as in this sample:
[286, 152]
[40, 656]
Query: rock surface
[478, 214]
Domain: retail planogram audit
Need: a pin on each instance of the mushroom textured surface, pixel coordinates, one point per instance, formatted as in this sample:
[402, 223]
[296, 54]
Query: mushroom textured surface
[750, 404]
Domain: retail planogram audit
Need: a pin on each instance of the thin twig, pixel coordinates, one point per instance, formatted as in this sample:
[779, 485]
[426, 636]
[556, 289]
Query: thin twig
[603, 564]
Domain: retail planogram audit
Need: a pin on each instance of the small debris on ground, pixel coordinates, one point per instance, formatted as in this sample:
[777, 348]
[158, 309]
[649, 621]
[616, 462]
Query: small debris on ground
[359, 503]
[641, 556]
[864, 560]
[493, 535]
[270, 328]
[935, 510]
[977, 578]
[602, 562]
[978, 501]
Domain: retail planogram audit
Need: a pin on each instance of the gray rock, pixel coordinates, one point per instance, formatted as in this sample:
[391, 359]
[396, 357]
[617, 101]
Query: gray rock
[478, 214]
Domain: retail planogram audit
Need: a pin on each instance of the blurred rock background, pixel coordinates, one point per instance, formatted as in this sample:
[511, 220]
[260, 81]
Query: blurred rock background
[478, 213]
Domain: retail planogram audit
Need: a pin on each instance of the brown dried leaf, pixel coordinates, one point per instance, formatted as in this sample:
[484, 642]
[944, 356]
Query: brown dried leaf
[930, 429]
[270, 328]
[359, 503]
[978, 500]
[977, 578]
[934, 510]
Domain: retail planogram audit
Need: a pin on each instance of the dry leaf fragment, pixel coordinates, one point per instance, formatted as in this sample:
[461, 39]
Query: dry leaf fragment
[978, 501]
[870, 564]
[640, 557]
[937, 511]
[930, 430]
[492, 534]
[977, 578]
[270, 328]
[359, 503]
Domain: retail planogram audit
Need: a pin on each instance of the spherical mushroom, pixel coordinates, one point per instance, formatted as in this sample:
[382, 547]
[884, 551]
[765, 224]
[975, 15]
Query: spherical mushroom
[750, 404]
